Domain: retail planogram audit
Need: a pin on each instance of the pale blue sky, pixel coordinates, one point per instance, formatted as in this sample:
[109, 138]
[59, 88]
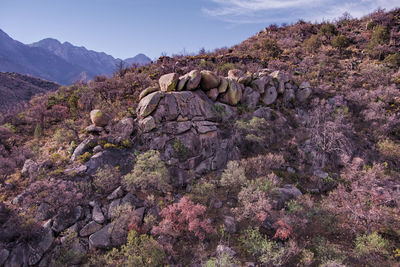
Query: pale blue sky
[124, 28]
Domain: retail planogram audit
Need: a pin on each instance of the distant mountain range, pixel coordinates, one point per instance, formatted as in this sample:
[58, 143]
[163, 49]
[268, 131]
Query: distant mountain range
[63, 63]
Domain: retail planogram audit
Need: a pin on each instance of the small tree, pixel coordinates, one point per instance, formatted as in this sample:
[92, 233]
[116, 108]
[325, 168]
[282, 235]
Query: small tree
[182, 218]
[149, 173]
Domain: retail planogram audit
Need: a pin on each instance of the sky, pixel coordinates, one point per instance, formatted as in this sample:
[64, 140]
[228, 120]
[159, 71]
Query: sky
[124, 28]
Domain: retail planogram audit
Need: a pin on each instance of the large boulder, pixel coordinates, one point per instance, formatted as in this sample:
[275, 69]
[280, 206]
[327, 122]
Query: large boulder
[194, 80]
[148, 91]
[90, 228]
[123, 129]
[148, 104]
[250, 97]
[234, 93]
[102, 238]
[168, 82]
[209, 80]
[66, 217]
[182, 82]
[99, 118]
[270, 95]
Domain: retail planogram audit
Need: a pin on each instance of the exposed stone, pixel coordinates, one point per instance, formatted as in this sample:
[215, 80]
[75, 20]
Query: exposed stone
[66, 217]
[96, 149]
[177, 127]
[205, 126]
[117, 193]
[90, 228]
[43, 212]
[123, 129]
[194, 81]
[3, 213]
[112, 209]
[213, 94]
[303, 94]
[77, 170]
[99, 118]
[148, 91]
[270, 96]
[286, 193]
[101, 239]
[223, 86]
[3, 256]
[147, 124]
[263, 112]
[230, 224]
[30, 168]
[209, 80]
[37, 250]
[93, 129]
[224, 250]
[236, 74]
[305, 85]
[224, 112]
[260, 84]
[139, 213]
[18, 256]
[97, 214]
[113, 157]
[168, 82]
[288, 96]
[234, 93]
[148, 104]
[182, 82]
[321, 174]
[250, 98]
[83, 147]
[131, 200]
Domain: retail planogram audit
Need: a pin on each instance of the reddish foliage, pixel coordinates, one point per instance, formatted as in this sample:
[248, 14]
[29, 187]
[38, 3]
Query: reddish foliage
[284, 231]
[184, 217]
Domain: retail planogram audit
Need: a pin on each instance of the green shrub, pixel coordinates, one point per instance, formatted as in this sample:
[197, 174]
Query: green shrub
[38, 131]
[84, 157]
[180, 149]
[149, 173]
[313, 43]
[340, 42]
[393, 60]
[326, 251]
[202, 191]
[106, 179]
[389, 149]
[233, 176]
[266, 251]
[328, 30]
[272, 48]
[370, 244]
[139, 250]
[380, 36]
[223, 260]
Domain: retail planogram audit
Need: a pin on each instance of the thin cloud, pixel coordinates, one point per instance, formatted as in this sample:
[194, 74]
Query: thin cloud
[279, 11]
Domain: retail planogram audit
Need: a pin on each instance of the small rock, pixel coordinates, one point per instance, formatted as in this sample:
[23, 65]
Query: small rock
[97, 149]
[97, 214]
[93, 129]
[224, 250]
[30, 167]
[270, 96]
[90, 228]
[117, 193]
[168, 82]
[213, 94]
[43, 212]
[288, 96]
[303, 94]
[147, 124]
[101, 239]
[230, 224]
[290, 170]
[99, 118]
[321, 174]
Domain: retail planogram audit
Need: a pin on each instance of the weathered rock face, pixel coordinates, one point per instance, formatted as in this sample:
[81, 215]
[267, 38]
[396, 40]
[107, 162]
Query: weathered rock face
[148, 91]
[99, 118]
[188, 135]
[168, 82]
[123, 129]
[234, 93]
[194, 80]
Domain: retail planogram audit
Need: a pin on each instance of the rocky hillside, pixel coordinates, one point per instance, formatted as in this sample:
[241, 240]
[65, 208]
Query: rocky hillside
[281, 151]
[17, 88]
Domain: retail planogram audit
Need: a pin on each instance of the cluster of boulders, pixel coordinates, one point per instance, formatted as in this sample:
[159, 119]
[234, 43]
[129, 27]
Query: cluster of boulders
[249, 89]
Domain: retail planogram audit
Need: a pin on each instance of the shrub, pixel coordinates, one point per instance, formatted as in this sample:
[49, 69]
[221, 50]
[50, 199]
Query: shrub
[328, 30]
[139, 250]
[266, 251]
[233, 176]
[389, 149]
[313, 43]
[393, 60]
[149, 173]
[340, 42]
[182, 218]
[106, 179]
[272, 48]
[202, 192]
[180, 149]
[365, 245]
[84, 157]
[380, 36]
